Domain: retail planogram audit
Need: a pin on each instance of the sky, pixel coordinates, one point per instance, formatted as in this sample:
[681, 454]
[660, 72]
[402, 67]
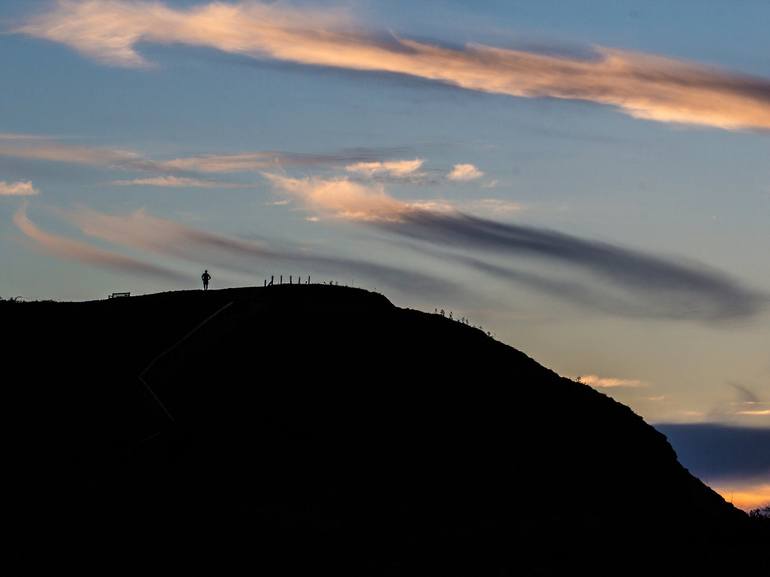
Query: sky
[589, 181]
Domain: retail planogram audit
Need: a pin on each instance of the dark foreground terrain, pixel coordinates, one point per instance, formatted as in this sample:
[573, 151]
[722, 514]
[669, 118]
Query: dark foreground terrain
[307, 430]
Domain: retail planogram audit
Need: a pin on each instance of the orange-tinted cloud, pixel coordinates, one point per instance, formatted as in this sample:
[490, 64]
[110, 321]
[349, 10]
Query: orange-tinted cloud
[343, 198]
[175, 182]
[754, 413]
[641, 85]
[464, 173]
[69, 249]
[394, 168]
[610, 382]
[49, 149]
[21, 188]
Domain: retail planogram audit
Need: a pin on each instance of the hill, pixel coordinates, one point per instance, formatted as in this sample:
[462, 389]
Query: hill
[317, 429]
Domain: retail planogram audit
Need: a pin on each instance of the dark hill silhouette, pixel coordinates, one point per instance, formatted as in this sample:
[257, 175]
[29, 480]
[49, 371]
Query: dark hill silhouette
[316, 429]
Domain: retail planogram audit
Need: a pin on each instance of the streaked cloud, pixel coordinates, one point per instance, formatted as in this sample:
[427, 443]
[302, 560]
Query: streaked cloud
[641, 85]
[754, 412]
[624, 280]
[272, 159]
[17, 136]
[139, 230]
[70, 249]
[491, 206]
[53, 151]
[47, 149]
[394, 168]
[223, 163]
[464, 173]
[609, 382]
[20, 188]
[175, 182]
[666, 287]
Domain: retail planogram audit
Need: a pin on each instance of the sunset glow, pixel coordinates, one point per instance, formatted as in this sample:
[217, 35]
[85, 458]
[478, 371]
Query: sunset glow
[585, 182]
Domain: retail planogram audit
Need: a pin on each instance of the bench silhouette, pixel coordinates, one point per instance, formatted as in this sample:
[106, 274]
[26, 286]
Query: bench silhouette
[119, 295]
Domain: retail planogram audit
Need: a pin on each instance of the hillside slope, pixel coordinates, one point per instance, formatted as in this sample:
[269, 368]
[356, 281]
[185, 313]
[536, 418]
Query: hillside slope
[306, 429]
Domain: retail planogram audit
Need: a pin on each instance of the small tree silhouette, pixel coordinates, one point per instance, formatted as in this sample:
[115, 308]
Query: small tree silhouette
[761, 513]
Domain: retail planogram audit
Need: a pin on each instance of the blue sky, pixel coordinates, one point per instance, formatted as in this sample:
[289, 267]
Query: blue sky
[293, 151]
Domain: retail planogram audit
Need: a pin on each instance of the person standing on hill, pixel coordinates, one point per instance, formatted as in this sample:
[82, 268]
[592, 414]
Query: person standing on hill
[205, 277]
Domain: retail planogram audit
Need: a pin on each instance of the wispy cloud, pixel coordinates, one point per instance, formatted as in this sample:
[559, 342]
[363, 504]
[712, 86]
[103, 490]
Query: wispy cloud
[754, 412]
[271, 159]
[53, 151]
[21, 188]
[610, 382]
[225, 163]
[17, 136]
[143, 231]
[491, 206]
[70, 249]
[641, 85]
[629, 281]
[668, 288]
[745, 394]
[175, 182]
[464, 173]
[47, 149]
[393, 168]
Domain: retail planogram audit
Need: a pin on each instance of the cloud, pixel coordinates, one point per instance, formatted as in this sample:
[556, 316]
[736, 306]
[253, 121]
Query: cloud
[754, 412]
[491, 206]
[224, 163]
[69, 249]
[342, 197]
[668, 288]
[641, 85]
[16, 136]
[21, 188]
[393, 168]
[175, 182]
[140, 230]
[47, 149]
[261, 160]
[609, 382]
[745, 394]
[464, 173]
[631, 282]
[720, 452]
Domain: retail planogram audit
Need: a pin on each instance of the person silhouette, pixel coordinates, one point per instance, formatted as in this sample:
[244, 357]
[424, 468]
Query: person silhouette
[205, 277]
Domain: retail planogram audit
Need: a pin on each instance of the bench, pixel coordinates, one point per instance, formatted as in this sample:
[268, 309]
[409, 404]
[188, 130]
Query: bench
[119, 295]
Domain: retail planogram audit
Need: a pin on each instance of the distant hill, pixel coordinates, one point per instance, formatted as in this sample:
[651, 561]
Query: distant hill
[300, 430]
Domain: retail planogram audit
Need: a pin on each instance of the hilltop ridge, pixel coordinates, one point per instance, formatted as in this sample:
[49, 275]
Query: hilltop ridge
[319, 428]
